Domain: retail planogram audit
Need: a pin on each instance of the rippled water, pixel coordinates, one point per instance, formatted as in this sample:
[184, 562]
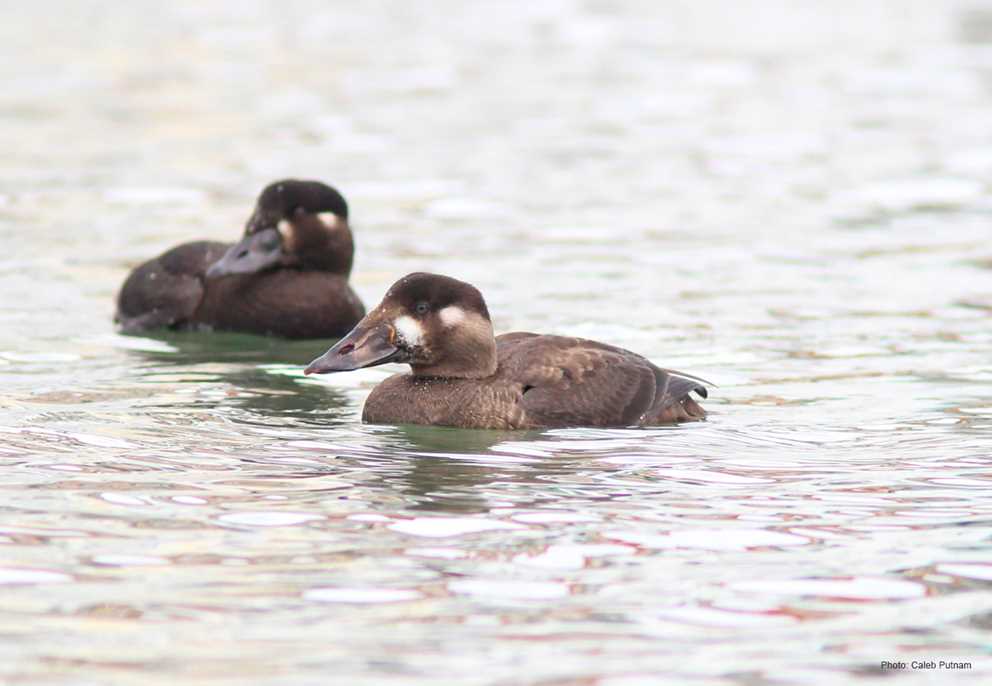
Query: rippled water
[791, 201]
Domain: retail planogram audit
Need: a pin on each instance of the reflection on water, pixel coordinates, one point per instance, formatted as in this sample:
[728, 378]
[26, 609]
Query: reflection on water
[163, 348]
[791, 201]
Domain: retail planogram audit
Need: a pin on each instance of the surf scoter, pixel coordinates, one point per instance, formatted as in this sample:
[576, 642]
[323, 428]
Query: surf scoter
[464, 376]
[287, 276]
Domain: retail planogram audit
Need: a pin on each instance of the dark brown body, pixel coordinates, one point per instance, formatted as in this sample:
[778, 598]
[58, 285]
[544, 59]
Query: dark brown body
[540, 382]
[171, 291]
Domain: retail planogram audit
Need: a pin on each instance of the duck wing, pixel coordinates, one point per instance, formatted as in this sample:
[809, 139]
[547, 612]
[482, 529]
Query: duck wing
[167, 290]
[577, 382]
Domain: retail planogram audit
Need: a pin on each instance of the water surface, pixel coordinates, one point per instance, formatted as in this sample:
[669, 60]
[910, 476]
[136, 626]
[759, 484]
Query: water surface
[792, 202]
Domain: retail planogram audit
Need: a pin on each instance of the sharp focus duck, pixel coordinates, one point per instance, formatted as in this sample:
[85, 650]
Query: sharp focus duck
[464, 376]
[287, 276]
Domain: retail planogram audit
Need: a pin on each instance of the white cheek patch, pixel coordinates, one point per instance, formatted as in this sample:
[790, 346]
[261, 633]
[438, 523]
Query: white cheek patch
[328, 219]
[288, 233]
[452, 315]
[409, 330]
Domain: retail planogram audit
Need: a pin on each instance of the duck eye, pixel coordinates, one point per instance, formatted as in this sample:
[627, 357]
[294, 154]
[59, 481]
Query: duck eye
[422, 307]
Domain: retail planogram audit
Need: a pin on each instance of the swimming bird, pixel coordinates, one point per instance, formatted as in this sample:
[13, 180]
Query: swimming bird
[287, 276]
[464, 376]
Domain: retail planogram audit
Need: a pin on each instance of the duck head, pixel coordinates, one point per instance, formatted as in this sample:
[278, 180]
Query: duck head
[297, 224]
[438, 325]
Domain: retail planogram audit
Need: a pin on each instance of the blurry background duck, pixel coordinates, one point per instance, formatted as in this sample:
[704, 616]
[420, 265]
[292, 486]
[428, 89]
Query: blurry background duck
[464, 376]
[287, 276]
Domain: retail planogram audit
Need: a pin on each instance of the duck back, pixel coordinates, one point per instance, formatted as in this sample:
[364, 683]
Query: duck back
[167, 290]
[542, 382]
[171, 291]
[578, 382]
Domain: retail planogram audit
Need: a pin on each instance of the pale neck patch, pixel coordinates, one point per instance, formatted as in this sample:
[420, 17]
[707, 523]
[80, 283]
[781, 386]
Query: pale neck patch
[409, 330]
[452, 315]
[329, 219]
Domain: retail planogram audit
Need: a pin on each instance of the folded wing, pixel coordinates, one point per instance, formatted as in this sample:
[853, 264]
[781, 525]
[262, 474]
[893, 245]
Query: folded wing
[576, 382]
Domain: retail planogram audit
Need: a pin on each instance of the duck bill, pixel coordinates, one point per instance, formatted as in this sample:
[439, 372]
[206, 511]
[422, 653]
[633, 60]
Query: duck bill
[254, 253]
[367, 345]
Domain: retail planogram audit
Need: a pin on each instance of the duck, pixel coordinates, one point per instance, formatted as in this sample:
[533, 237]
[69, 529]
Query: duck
[462, 375]
[287, 276]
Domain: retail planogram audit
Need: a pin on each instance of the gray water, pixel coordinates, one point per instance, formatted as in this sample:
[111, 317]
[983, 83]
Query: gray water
[792, 200]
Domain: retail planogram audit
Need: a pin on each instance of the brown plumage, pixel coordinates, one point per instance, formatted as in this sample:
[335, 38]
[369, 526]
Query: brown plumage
[288, 276]
[464, 376]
